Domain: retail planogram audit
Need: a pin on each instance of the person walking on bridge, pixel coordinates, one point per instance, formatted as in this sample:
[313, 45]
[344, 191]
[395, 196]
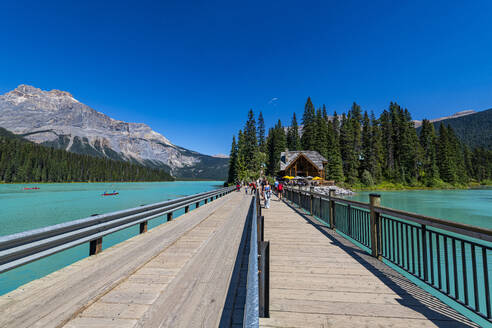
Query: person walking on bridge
[267, 194]
[280, 189]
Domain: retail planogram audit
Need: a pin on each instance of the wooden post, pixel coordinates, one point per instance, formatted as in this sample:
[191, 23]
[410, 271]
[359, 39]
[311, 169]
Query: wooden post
[332, 208]
[95, 246]
[187, 208]
[143, 227]
[197, 204]
[206, 200]
[375, 200]
[169, 216]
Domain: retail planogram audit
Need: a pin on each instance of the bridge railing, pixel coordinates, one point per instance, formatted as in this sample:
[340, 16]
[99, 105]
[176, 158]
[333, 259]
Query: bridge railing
[451, 257]
[258, 282]
[25, 247]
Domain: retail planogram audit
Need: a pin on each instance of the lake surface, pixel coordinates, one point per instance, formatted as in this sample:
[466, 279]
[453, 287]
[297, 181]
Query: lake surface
[22, 210]
[472, 206]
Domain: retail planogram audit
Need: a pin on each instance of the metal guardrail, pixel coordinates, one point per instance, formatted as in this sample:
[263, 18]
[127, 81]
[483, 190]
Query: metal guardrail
[25, 247]
[258, 282]
[451, 257]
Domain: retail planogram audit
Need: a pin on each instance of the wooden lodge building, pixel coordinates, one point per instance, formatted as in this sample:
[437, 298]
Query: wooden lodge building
[302, 163]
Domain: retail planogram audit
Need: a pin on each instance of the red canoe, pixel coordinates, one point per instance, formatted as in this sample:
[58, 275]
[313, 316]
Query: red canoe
[33, 188]
[111, 194]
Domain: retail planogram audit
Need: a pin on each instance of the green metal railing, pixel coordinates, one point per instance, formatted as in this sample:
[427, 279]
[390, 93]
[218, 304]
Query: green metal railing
[451, 257]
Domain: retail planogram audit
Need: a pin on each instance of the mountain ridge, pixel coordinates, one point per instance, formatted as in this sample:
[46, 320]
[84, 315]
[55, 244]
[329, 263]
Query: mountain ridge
[55, 118]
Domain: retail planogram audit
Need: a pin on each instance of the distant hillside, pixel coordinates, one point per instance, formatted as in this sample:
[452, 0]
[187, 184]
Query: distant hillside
[24, 161]
[475, 130]
[455, 115]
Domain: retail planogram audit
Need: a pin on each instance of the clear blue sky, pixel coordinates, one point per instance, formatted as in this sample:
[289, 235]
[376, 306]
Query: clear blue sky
[191, 70]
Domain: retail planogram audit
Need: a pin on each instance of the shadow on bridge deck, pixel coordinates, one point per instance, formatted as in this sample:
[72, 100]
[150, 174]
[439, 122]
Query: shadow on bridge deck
[350, 289]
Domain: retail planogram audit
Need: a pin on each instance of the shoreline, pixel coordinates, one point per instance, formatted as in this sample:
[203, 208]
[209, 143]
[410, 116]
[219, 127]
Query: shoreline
[158, 181]
[409, 188]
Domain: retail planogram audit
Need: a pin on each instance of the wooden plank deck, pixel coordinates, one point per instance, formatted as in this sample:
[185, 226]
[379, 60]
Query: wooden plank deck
[319, 279]
[175, 275]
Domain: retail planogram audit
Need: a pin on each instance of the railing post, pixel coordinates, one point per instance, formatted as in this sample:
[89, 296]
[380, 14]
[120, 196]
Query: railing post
[187, 208]
[260, 229]
[300, 206]
[95, 246]
[375, 200]
[331, 194]
[349, 217]
[197, 204]
[143, 227]
[206, 200]
[310, 204]
[264, 279]
[169, 216]
[424, 252]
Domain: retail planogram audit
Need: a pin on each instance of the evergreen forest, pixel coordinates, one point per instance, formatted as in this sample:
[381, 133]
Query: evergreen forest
[363, 150]
[24, 161]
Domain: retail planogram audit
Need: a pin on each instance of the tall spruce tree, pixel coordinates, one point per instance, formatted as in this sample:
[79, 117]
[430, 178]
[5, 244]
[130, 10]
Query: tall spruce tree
[251, 144]
[366, 151]
[428, 141]
[293, 139]
[348, 153]
[308, 138]
[233, 163]
[446, 159]
[261, 133]
[376, 149]
[276, 143]
[321, 134]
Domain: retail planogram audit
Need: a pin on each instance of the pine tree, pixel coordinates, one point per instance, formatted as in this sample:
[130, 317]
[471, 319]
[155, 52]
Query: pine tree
[348, 153]
[321, 135]
[308, 138]
[261, 133]
[377, 150]
[366, 150]
[233, 163]
[251, 144]
[428, 141]
[276, 143]
[293, 139]
[447, 165]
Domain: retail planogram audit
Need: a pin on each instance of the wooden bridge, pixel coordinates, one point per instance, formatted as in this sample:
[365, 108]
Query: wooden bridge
[193, 272]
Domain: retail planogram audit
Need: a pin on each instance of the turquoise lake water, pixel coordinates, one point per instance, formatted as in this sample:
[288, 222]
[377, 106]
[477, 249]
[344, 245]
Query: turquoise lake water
[22, 210]
[472, 206]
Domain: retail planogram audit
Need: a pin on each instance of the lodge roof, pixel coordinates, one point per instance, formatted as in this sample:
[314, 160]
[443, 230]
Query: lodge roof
[288, 157]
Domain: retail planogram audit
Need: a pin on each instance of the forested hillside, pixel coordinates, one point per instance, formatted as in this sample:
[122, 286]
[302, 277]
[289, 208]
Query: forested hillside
[474, 130]
[24, 161]
[365, 150]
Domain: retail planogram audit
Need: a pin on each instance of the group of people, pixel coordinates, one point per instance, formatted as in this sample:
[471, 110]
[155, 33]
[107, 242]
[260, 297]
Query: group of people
[264, 188]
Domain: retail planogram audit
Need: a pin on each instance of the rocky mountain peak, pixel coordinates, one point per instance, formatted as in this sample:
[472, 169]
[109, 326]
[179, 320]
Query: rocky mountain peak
[48, 99]
[56, 119]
